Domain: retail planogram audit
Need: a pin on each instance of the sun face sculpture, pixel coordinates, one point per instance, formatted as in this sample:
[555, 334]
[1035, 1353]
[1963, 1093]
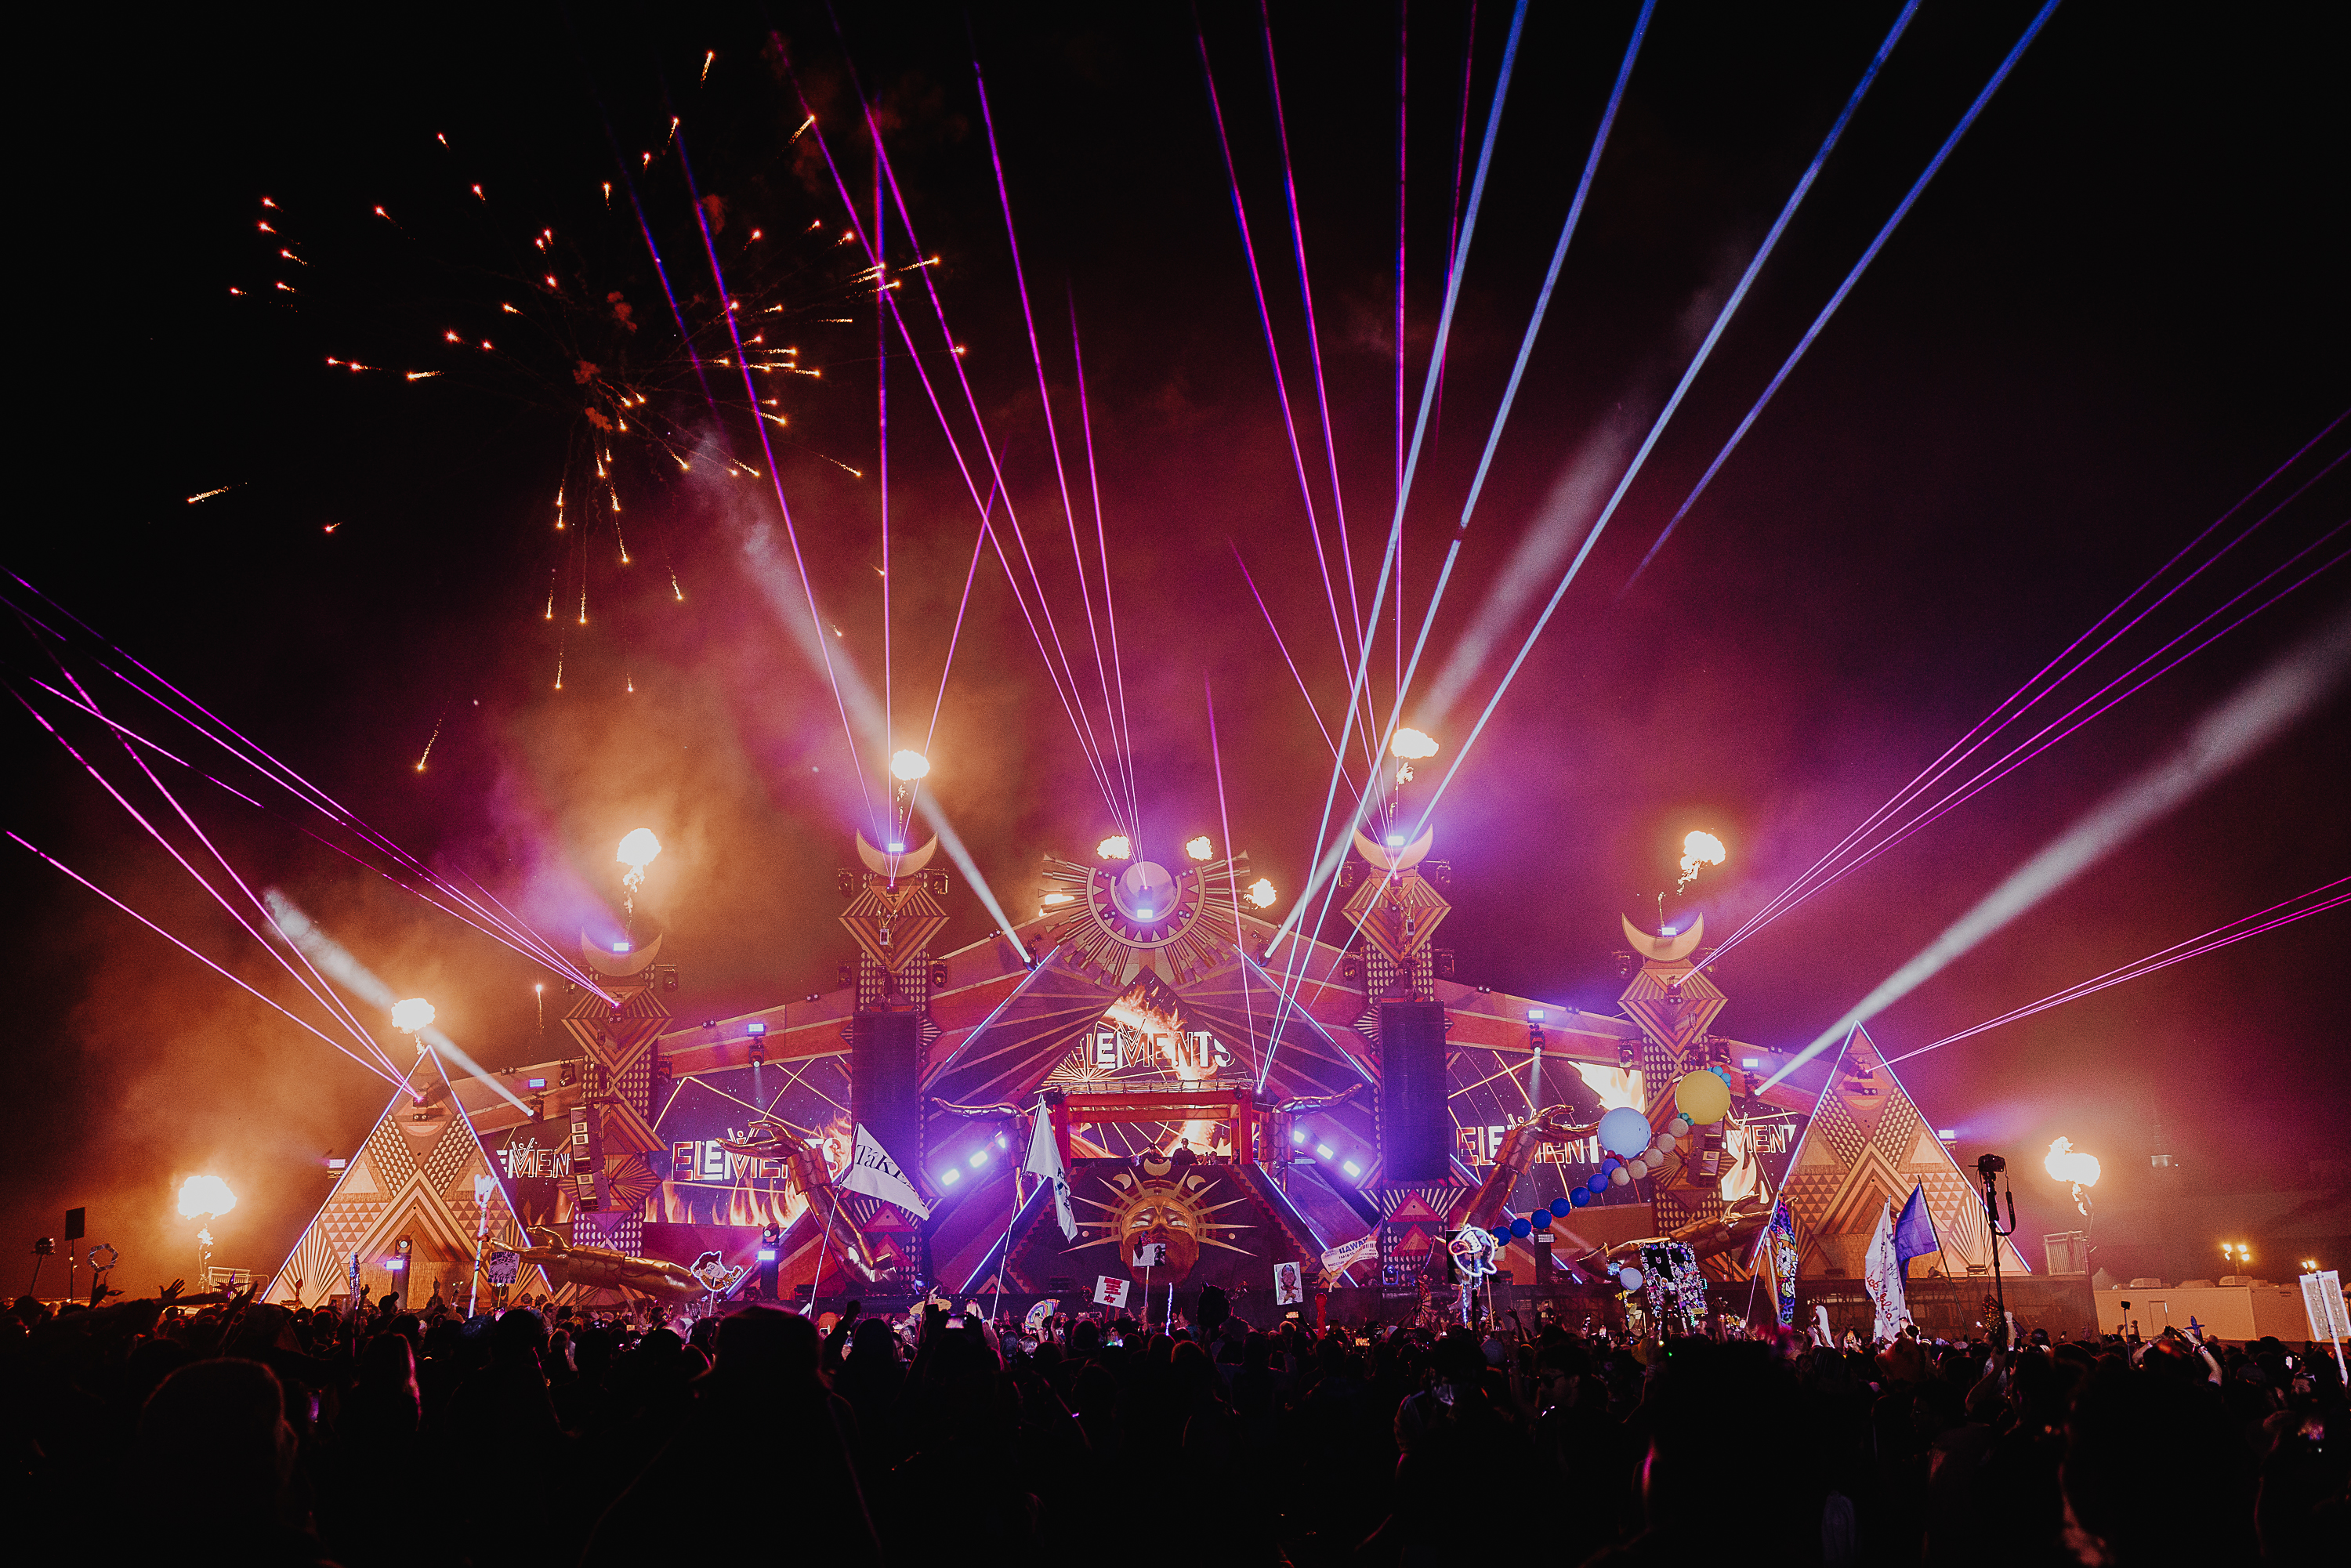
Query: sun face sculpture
[1157, 1201]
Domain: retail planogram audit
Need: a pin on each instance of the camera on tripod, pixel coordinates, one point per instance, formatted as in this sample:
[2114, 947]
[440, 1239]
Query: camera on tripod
[1990, 1166]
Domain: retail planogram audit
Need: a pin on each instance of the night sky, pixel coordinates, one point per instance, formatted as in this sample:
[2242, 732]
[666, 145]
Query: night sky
[2116, 309]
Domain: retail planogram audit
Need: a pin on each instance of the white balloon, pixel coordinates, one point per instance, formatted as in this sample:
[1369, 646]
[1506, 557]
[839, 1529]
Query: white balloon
[1629, 1276]
[1679, 1126]
[1617, 1177]
[1636, 1169]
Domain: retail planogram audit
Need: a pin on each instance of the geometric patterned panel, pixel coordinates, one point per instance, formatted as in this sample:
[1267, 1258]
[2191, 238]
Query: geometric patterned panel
[1865, 1147]
[387, 1192]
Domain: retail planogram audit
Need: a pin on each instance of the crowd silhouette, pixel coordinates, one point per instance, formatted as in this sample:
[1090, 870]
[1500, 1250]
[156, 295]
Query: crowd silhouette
[252, 1433]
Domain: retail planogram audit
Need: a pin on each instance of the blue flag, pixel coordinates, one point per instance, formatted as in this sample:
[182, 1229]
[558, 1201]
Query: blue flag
[1914, 1233]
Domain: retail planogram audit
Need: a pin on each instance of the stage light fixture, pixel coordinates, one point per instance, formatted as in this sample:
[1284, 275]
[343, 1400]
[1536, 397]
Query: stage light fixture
[1948, 1134]
[534, 1083]
[1322, 1150]
[755, 1029]
[978, 1159]
[908, 765]
[1351, 1168]
[950, 1176]
[1297, 1137]
[1199, 849]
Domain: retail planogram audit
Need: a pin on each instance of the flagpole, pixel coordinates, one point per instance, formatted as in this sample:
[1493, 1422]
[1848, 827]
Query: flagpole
[816, 1280]
[1004, 1261]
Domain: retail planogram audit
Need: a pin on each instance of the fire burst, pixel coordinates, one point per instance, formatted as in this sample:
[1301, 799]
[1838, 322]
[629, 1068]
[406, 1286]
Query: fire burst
[205, 1195]
[1698, 850]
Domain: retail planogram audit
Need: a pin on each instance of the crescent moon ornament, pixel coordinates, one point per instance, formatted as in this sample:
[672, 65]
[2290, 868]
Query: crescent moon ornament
[906, 863]
[1664, 950]
[619, 966]
[1393, 861]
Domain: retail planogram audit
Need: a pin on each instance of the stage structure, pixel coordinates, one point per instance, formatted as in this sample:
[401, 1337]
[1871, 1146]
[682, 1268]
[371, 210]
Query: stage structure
[414, 1210]
[1342, 1102]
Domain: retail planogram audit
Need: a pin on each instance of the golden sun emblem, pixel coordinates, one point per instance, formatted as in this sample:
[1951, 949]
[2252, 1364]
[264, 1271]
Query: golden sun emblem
[1158, 1202]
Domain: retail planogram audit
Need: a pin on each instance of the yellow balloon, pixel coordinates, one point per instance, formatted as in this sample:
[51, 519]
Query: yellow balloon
[1702, 1096]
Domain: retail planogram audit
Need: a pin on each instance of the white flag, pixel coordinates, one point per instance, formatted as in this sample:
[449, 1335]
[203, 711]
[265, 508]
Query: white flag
[1111, 1292]
[871, 1171]
[1881, 1274]
[1045, 1160]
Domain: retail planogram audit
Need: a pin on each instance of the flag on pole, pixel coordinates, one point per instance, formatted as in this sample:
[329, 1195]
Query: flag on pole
[1111, 1292]
[1882, 1274]
[1339, 1258]
[1045, 1160]
[873, 1172]
[1914, 1233]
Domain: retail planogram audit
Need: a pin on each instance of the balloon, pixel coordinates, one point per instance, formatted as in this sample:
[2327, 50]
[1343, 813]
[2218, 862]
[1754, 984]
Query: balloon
[1520, 1227]
[1502, 1235]
[1558, 1208]
[1702, 1096]
[1598, 1184]
[1624, 1131]
[1629, 1276]
[1661, 1148]
[1617, 1177]
[1580, 1196]
[1679, 1126]
[1636, 1169]
[1540, 1219]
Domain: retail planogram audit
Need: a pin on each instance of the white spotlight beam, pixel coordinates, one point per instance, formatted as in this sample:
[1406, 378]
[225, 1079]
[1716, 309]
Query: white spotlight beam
[2259, 712]
[336, 960]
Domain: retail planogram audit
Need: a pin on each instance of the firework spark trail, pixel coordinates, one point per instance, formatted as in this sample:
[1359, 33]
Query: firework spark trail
[1315, 712]
[776, 481]
[1045, 398]
[326, 1000]
[1068, 694]
[1837, 298]
[430, 739]
[1280, 382]
[2259, 712]
[1325, 862]
[2219, 936]
[1232, 872]
[1102, 555]
[1823, 871]
[1526, 350]
[251, 754]
[1699, 360]
[389, 1077]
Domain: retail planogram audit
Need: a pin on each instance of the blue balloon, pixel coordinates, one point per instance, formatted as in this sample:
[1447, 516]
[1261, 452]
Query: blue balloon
[1580, 1196]
[1596, 1186]
[1502, 1235]
[1520, 1227]
[1558, 1208]
[1626, 1132]
[1540, 1219]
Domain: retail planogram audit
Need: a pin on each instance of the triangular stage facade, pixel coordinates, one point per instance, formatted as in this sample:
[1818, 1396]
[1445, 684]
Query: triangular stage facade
[413, 1178]
[1867, 1146]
